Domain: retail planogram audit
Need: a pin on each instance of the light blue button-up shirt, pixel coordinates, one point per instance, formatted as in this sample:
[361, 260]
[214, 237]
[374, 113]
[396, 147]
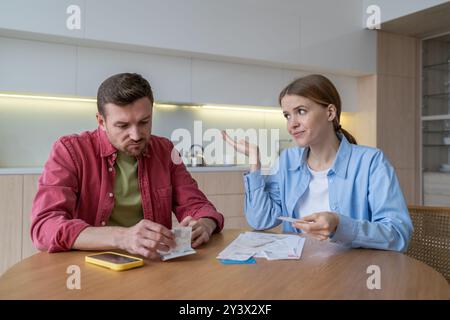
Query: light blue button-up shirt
[363, 190]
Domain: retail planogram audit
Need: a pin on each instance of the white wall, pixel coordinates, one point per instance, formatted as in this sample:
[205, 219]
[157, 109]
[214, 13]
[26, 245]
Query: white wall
[393, 9]
[304, 34]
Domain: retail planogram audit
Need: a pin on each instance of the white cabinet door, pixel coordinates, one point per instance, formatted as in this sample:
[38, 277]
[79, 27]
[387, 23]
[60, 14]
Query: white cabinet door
[37, 67]
[168, 76]
[263, 30]
[233, 83]
[43, 16]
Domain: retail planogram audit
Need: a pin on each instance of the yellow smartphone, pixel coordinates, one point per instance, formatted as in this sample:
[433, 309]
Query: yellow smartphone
[114, 261]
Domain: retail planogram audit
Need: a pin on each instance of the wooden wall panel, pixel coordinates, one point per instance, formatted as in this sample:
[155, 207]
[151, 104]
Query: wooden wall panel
[396, 55]
[10, 220]
[398, 109]
[30, 183]
[225, 182]
[365, 120]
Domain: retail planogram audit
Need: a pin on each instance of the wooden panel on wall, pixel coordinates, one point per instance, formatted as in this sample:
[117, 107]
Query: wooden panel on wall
[228, 205]
[398, 110]
[29, 191]
[365, 121]
[236, 223]
[407, 183]
[225, 182]
[10, 220]
[396, 54]
[396, 119]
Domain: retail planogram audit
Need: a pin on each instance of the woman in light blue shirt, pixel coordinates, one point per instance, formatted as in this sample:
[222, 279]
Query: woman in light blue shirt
[339, 190]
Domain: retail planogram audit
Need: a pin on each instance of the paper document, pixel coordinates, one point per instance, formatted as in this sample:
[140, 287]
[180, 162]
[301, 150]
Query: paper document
[183, 244]
[263, 245]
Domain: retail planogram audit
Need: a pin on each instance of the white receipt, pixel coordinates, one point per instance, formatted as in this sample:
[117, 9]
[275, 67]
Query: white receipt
[263, 245]
[183, 244]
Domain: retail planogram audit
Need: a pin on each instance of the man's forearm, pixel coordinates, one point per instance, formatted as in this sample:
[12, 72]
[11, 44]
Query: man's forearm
[99, 238]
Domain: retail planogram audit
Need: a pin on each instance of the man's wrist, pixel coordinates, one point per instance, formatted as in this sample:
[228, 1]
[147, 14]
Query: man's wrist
[211, 224]
[118, 236]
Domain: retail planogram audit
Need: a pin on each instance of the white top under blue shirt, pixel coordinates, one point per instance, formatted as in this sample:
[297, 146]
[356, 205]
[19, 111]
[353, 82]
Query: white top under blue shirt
[316, 197]
[363, 190]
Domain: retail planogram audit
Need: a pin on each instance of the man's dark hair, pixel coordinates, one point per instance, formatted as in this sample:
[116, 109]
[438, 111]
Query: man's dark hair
[122, 89]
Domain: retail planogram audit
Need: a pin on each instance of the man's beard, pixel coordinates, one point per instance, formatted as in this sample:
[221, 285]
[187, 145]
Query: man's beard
[134, 151]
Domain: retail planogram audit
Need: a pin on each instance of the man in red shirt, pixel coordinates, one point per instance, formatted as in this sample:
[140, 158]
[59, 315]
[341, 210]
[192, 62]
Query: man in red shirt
[116, 187]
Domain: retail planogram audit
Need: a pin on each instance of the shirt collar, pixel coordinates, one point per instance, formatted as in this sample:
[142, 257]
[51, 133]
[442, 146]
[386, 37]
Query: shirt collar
[340, 164]
[107, 149]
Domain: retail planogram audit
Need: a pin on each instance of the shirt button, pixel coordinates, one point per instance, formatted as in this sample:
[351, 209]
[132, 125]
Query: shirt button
[110, 169]
[110, 195]
[103, 223]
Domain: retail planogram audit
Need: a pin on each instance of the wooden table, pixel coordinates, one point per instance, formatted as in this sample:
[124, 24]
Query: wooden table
[325, 271]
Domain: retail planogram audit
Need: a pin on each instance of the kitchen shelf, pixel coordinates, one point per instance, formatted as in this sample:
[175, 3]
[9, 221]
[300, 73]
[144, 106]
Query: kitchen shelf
[442, 95]
[435, 117]
[436, 131]
[435, 171]
[445, 67]
[436, 145]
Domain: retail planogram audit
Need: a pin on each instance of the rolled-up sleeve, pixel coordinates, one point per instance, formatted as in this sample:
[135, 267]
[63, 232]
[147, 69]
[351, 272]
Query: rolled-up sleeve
[53, 225]
[390, 227]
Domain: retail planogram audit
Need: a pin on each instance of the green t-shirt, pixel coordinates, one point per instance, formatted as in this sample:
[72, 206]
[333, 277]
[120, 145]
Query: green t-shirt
[128, 206]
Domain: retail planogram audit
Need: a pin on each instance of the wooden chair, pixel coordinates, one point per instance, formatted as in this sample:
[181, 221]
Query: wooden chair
[430, 242]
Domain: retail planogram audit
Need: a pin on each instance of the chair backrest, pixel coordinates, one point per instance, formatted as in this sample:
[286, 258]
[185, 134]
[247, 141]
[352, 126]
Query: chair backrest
[430, 242]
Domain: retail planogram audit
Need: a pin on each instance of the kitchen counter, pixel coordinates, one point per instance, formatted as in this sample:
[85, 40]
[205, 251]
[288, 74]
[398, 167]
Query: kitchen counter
[218, 168]
[38, 170]
[25, 170]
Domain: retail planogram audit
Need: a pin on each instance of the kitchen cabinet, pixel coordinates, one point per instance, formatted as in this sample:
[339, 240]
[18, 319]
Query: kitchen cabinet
[436, 104]
[240, 29]
[216, 82]
[43, 16]
[286, 33]
[169, 76]
[436, 119]
[436, 189]
[37, 67]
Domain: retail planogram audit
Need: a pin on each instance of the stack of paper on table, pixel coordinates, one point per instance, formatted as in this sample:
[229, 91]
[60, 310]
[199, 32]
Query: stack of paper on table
[263, 245]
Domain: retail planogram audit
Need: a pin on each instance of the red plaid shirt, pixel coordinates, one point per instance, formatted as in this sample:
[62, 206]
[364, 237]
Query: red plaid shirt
[76, 189]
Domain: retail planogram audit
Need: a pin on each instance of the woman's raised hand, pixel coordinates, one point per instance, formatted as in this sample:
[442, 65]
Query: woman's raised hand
[249, 149]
